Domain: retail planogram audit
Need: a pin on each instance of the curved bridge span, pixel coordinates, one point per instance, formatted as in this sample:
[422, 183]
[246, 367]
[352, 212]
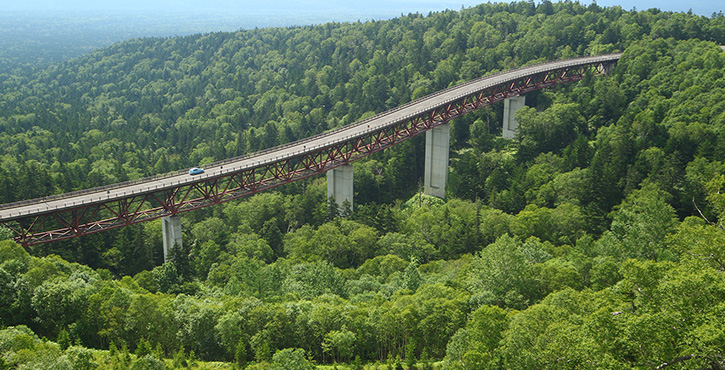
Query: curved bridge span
[89, 211]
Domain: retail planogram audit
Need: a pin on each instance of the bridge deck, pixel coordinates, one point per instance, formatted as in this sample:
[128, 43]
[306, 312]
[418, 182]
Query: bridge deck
[28, 208]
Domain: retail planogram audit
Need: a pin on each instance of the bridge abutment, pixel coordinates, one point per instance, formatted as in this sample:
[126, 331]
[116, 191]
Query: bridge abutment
[339, 184]
[171, 230]
[437, 147]
[510, 107]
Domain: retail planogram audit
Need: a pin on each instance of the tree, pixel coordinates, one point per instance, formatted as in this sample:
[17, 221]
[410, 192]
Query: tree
[340, 344]
[314, 279]
[475, 345]
[452, 227]
[717, 197]
[212, 229]
[240, 355]
[549, 131]
[205, 255]
[411, 277]
[502, 275]
[196, 326]
[5, 233]
[149, 317]
[63, 339]
[148, 362]
[639, 226]
[695, 239]
[179, 258]
[291, 359]
[60, 303]
[249, 245]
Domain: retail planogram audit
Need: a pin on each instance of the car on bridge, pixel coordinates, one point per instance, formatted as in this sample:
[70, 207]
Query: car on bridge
[196, 171]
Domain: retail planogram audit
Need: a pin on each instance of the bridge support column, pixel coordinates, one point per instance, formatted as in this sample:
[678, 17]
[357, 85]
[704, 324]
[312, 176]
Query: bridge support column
[171, 230]
[510, 107]
[437, 147]
[339, 184]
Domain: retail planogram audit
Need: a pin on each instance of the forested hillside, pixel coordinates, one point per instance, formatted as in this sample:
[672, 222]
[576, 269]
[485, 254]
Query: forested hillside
[594, 240]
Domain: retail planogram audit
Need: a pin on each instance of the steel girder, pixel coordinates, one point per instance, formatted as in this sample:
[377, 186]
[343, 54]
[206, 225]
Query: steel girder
[91, 218]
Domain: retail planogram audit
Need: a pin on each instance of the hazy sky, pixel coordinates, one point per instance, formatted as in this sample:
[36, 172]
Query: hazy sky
[237, 6]
[49, 31]
[704, 7]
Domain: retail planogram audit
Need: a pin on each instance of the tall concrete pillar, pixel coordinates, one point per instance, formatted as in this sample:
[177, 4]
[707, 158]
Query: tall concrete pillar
[437, 147]
[510, 107]
[605, 68]
[171, 230]
[339, 184]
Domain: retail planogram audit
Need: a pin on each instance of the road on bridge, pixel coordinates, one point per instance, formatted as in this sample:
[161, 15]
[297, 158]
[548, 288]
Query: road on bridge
[25, 210]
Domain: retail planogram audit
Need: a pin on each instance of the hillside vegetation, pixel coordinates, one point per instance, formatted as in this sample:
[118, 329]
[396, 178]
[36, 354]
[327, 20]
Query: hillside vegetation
[595, 240]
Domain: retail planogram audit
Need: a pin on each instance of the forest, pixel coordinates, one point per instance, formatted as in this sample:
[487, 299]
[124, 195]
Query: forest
[594, 240]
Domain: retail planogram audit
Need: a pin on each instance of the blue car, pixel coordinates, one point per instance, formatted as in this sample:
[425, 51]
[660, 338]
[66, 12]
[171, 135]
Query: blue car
[196, 171]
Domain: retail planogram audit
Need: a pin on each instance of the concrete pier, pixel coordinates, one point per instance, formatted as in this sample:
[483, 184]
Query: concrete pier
[437, 147]
[339, 184]
[510, 107]
[171, 230]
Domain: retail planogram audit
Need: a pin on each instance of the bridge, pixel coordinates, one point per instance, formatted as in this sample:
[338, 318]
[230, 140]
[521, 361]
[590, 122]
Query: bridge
[79, 213]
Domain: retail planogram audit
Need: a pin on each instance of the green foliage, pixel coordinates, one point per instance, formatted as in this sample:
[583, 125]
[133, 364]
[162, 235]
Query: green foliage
[383, 266]
[411, 277]
[81, 358]
[5, 233]
[20, 346]
[58, 304]
[148, 362]
[292, 359]
[561, 249]
[410, 355]
[180, 260]
[143, 348]
[717, 198]
[639, 226]
[550, 131]
[451, 228]
[340, 344]
[63, 339]
[695, 239]
[344, 243]
[10, 251]
[475, 345]
[180, 358]
[310, 280]
[240, 355]
[502, 274]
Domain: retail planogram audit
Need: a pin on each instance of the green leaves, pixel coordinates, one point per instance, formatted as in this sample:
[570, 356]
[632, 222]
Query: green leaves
[640, 225]
[291, 359]
[549, 131]
[474, 347]
[522, 274]
[716, 196]
[502, 275]
[339, 344]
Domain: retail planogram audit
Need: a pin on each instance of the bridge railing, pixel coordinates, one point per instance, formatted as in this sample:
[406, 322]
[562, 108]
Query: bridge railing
[100, 189]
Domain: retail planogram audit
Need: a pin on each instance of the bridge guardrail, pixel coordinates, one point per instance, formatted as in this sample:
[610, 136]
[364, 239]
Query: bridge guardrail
[101, 189]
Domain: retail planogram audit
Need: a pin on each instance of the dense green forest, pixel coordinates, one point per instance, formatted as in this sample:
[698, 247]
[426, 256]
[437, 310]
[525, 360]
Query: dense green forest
[595, 240]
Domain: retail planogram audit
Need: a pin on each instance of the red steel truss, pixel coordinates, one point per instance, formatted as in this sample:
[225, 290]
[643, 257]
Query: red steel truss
[76, 220]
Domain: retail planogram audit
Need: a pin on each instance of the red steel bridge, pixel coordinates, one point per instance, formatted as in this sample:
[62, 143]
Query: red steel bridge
[79, 213]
